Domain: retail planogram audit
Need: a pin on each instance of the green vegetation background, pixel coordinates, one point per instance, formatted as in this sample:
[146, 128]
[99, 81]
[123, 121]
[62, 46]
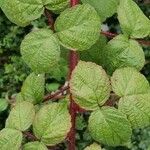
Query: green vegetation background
[13, 72]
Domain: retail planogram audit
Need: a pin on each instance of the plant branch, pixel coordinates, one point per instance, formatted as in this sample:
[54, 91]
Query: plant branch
[144, 42]
[73, 60]
[74, 2]
[49, 16]
[108, 34]
[30, 135]
[112, 35]
[57, 94]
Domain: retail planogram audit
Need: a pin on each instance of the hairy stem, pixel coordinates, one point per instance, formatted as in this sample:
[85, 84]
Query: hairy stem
[30, 136]
[73, 60]
[57, 94]
[112, 35]
[50, 19]
[108, 34]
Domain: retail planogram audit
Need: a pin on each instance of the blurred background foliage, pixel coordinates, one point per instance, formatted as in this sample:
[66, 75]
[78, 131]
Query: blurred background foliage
[13, 72]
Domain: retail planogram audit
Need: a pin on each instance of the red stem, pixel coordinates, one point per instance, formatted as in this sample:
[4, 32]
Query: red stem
[74, 2]
[112, 35]
[30, 136]
[143, 42]
[108, 34]
[56, 94]
[73, 60]
[49, 16]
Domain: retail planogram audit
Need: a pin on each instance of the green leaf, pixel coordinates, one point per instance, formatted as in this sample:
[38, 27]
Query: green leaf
[87, 137]
[89, 85]
[128, 81]
[34, 146]
[52, 87]
[137, 109]
[57, 6]
[73, 27]
[1, 2]
[43, 53]
[94, 54]
[19, 98]
[105, 8]
[122, 52]
[22, 12]
[110, 127]
[135, 102]
[10, 139]
[9, 68]
[60, 70]
[132, 20]
[93, 146]
[33, 88]
[3, 104]
[52, 123]
[80, 123]
[21, 116]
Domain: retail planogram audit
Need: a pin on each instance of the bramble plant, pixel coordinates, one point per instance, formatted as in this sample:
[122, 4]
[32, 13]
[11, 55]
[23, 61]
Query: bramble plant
[117, 98]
